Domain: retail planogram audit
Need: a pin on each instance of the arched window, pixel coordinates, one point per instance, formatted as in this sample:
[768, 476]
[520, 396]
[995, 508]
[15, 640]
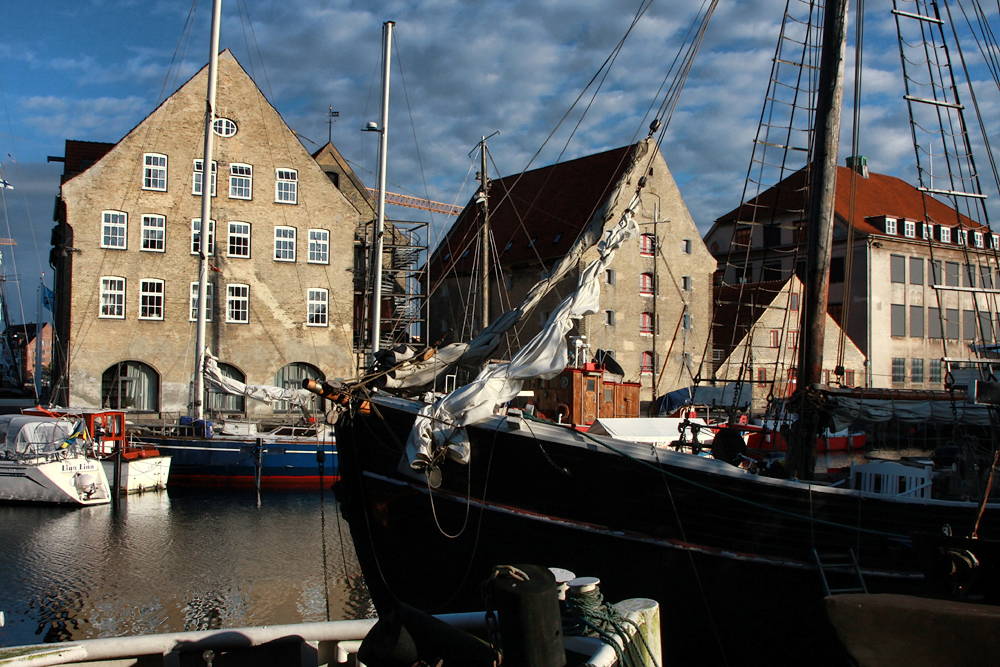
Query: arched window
[647, 245]
[291, 377]
[133, 385]
[217, 401]
[646, 287]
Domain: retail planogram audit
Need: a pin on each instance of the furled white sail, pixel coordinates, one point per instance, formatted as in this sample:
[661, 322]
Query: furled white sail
[441, 423]
[421, 371]
[259, 392]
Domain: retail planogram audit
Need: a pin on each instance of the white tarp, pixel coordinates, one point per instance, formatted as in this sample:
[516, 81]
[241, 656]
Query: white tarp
[656, 431]
[441, 423]
[259, 392]
[476, 351]
[850, 410]
[22, 435]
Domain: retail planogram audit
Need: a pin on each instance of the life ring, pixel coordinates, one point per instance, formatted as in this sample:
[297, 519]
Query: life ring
[562, 412]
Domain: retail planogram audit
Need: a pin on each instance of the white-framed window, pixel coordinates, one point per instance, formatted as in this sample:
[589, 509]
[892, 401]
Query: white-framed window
[909, 229]
[319, 246]
[153, 230]
[927, 230]
[962, 237]
[224, 127]
[240, 181]
[284, 244]
[318, 302]
[238, 304]
[686, 283]
[646, 284]
[239, 239]
[686, 246]
[890, 225]
[196, 237]
[198, 177]
[286, 186]
[154, 173]
[945, 234]
[977, 238]
[209, 300]
[995, 241]
[113, 297]
[150, 299]
[114, 230]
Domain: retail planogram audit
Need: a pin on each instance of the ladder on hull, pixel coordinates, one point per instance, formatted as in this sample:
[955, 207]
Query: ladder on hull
[844, 568]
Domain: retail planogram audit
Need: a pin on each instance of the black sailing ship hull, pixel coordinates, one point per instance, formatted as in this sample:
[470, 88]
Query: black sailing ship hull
[729, 555]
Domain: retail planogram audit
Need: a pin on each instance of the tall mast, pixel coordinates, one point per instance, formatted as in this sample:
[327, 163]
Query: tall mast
[206, 213]
[484, 240]
[380, 221]
[822, 195]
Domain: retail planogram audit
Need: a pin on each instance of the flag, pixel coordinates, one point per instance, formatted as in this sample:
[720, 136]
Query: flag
[48, 298]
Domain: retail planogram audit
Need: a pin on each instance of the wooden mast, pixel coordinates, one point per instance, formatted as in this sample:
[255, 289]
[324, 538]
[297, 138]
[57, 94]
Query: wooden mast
[482, 198]
[822, 193]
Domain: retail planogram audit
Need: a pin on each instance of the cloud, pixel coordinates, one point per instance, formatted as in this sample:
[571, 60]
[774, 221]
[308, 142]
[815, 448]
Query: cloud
[97, 119]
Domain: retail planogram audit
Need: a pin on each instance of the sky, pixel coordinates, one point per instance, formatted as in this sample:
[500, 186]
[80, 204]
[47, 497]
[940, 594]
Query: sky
[93, 69]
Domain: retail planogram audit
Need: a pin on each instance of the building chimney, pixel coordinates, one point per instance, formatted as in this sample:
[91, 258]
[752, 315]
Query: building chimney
[858, 163]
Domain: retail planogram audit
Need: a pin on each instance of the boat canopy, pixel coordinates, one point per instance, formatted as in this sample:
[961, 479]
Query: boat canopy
[848, 411]
[28, 435]
[722, 396]
[656, 431]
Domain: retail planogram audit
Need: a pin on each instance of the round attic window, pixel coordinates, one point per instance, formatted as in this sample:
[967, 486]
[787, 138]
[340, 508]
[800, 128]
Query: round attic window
[224, 127]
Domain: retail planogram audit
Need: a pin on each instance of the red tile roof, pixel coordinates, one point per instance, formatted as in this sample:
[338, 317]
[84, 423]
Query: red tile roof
[551, 205]
[875, 196]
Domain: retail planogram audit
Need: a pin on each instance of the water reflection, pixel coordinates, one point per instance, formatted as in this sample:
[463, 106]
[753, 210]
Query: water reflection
[172, 561]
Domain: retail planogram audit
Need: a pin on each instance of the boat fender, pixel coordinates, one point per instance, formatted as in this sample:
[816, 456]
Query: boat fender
[86, 485]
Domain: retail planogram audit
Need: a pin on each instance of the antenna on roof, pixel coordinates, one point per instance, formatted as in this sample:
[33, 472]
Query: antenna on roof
[331, 114]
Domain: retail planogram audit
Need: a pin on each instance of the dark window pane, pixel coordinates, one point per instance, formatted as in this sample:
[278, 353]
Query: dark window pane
[916, 270]
[897, 268]
[898, 320]
[917, 321]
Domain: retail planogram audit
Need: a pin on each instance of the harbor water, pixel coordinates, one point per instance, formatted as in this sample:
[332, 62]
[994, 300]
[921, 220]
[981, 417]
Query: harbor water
[175, 560]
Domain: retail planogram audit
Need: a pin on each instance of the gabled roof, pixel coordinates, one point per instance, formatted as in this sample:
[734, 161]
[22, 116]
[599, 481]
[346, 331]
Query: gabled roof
[875, 196]
[82, 154]
[737, 309]
[551, 205]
